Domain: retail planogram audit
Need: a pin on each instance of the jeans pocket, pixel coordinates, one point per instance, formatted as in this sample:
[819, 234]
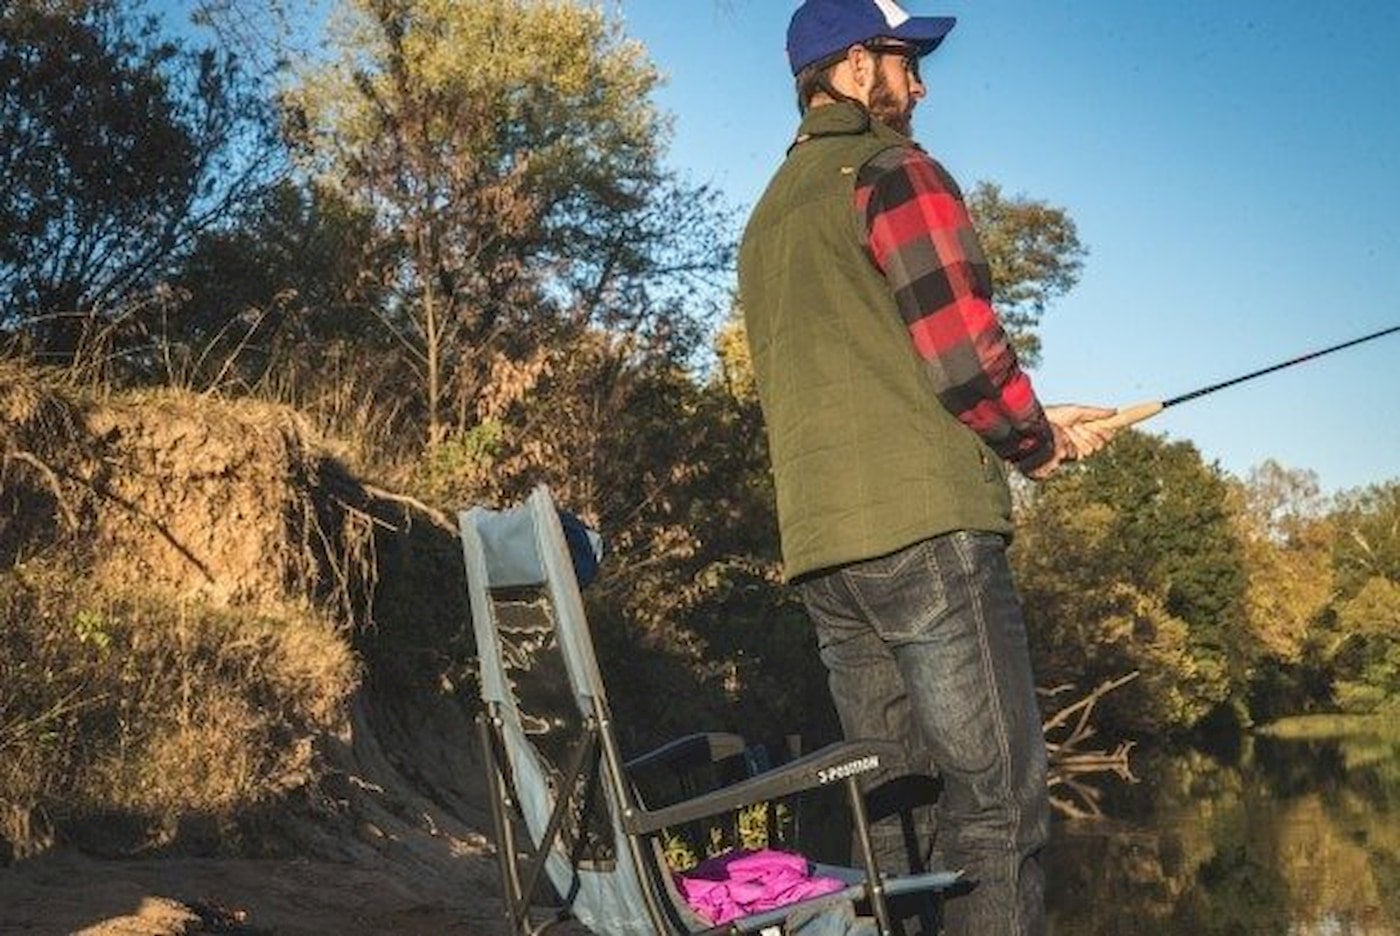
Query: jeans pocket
[903, 594]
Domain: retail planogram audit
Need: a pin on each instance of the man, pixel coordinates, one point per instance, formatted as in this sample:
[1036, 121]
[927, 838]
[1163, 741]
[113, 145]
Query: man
[893, 404]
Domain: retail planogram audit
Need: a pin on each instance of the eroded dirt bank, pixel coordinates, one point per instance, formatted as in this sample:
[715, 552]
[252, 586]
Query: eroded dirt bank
[369, 816]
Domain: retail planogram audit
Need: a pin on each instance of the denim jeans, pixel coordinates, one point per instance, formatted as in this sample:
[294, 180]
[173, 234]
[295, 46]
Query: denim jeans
[927, 647]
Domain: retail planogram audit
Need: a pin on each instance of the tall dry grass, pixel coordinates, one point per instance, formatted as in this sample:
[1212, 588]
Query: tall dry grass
[153, 707]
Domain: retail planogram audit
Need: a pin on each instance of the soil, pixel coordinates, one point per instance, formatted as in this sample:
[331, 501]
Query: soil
[386, 861]
[68, 893]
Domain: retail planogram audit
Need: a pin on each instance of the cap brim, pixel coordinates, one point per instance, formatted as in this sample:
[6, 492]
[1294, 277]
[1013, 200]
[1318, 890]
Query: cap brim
[926, 32]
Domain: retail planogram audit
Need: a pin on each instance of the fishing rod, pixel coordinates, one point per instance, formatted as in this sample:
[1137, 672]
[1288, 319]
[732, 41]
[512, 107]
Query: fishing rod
[1136, 413]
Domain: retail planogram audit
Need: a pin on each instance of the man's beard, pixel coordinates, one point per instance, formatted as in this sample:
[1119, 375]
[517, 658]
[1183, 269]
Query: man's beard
[885, 107]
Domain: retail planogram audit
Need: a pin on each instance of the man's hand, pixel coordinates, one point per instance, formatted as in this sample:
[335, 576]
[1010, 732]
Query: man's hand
[1075, 437]
[1077, 422]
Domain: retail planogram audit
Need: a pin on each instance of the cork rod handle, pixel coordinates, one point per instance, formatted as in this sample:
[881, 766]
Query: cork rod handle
[1129, 415]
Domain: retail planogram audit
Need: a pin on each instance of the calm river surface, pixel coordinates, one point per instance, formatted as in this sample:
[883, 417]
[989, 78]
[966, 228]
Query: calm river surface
[1296, 835]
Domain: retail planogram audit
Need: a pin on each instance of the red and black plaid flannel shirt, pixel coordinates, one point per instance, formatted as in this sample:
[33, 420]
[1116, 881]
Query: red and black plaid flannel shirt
[922, 240]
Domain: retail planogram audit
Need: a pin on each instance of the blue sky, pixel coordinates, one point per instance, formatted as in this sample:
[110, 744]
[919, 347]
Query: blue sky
[1233, 168]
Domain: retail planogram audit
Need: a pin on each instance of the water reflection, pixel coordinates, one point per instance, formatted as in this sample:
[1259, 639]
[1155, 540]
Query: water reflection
[1298, 837]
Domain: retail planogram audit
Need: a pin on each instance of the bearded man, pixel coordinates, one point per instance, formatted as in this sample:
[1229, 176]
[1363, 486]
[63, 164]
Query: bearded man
[895, 406]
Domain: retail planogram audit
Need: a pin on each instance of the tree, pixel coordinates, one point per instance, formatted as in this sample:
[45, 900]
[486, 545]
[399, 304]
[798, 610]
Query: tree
[1130, 561]
[1367, 661]
[1364, 646]
[1287, 538]
[1288, 541]
[1368, 540]
[116, 150]
[260, 32]
[511, 153]
[281, 290]
[1035, 256]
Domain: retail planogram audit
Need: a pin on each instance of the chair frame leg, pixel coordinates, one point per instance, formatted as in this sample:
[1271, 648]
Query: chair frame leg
[502, 803]
[876, 884]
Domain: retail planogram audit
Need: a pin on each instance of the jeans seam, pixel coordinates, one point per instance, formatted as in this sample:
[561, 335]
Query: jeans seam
[962, 546]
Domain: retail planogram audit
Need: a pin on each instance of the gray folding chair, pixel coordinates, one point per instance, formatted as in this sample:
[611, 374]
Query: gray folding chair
[564, 807]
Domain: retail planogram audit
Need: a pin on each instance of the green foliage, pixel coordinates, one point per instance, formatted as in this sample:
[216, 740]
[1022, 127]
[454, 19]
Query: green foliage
[515, 186]
[1035, 256]
[1359, 637]
[759, 643]
[1368, 541]
[1261, 594]
[471, 454]
[1367, 662]
[1131, 562]
[284, 288]
[1287, 536]
[116, 148]
[487, 252]
[90, 628]
[755, 827]
[1288, 540]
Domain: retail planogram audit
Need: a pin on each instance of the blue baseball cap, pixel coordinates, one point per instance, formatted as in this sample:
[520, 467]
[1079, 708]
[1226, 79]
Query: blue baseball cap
[822, 28]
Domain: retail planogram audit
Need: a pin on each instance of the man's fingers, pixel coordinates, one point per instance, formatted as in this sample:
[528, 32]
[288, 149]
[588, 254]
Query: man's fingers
[1065, 449]
[1083, 426]
[1086, 441]
[1095, 432]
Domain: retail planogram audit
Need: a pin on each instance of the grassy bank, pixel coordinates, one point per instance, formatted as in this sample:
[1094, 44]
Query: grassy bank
[1314, 727]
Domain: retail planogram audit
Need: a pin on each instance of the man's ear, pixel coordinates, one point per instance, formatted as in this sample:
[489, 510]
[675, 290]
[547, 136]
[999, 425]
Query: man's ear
[862, 63]
[855, 75]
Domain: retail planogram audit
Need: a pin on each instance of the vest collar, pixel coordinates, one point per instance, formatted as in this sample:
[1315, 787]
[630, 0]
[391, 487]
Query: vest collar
[844, 118]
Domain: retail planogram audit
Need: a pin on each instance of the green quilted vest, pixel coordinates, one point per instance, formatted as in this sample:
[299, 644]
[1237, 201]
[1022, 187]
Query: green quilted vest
[865, 459]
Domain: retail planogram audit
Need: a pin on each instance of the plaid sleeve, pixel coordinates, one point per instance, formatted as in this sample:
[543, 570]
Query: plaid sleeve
[922, 240]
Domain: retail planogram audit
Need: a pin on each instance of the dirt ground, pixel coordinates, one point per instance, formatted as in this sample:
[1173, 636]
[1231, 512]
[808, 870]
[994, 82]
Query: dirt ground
[66, 893]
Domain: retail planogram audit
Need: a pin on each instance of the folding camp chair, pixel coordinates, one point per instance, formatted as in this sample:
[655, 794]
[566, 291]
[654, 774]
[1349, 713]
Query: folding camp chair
[563, 803]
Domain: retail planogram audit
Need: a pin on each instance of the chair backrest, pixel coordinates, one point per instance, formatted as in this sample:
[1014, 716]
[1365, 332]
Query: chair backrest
[543, 691]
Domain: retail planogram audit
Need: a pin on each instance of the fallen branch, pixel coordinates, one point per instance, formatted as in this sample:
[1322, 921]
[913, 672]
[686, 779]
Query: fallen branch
[1069, 764]
[1084, 708]
[437, 516]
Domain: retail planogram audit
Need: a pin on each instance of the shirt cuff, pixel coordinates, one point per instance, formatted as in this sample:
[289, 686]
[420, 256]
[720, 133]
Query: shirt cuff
[1043, 451]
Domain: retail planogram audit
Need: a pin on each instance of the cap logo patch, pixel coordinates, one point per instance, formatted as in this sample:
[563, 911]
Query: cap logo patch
[894, 16]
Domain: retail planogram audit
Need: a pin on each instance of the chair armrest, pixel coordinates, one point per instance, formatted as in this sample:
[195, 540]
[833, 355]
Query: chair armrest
[830, 764]
[695, 750]
[687, 767]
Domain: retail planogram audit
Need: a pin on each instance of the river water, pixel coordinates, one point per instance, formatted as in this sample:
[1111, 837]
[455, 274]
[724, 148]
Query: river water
[1298, 836]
